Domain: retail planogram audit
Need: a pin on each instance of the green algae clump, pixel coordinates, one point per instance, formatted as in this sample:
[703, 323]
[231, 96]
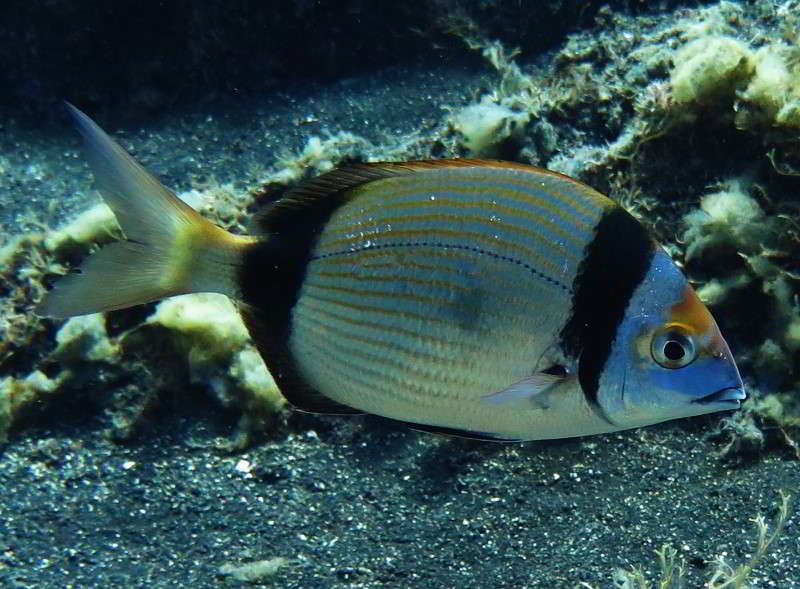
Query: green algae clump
[709, 70]
[208, 332]
[772, 98]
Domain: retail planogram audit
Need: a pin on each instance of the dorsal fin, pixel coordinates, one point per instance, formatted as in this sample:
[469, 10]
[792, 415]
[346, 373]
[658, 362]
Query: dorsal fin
[284, 213]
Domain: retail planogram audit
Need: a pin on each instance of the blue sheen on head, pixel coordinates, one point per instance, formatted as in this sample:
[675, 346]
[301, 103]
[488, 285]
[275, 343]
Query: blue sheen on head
[637, 390]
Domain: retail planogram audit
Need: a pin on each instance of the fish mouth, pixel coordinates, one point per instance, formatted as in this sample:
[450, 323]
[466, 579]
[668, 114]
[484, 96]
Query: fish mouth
[732, 396]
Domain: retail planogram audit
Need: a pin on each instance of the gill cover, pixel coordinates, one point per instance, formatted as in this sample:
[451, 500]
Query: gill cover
[668, 359]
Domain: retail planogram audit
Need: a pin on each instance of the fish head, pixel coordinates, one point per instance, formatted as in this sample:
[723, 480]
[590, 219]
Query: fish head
[669, 359]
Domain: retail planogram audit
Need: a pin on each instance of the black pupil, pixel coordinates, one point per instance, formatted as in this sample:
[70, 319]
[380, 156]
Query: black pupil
[673, 350]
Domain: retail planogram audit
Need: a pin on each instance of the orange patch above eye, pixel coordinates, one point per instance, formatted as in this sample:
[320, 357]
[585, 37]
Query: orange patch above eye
[692, 314]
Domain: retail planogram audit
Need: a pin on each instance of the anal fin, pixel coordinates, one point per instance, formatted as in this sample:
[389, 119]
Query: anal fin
[461, 433]
[452, 432]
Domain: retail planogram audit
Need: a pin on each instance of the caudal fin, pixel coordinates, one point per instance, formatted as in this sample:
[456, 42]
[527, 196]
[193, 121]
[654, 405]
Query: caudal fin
[168, 249]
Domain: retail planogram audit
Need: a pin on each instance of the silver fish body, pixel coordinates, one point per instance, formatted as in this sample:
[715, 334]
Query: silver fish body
[489, 299]
[429, 292]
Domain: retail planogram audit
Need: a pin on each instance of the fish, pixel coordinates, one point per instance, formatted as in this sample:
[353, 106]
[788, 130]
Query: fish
[481, 298]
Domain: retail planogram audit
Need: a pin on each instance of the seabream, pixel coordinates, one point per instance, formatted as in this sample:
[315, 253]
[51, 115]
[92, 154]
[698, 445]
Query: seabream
[482, 298]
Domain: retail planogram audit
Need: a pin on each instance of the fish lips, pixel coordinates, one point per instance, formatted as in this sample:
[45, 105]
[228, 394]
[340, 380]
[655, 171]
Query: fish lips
[729, 397]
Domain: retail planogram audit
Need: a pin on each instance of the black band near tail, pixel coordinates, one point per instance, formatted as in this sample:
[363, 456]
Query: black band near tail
[271, 276]
[614, 263]
[273, 271]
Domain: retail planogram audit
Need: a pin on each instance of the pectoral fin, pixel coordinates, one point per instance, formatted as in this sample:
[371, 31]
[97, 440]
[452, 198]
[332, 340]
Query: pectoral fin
[534, 389]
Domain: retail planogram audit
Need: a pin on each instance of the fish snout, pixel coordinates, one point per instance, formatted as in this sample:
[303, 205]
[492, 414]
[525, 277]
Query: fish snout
[732, 394]
[728, 397]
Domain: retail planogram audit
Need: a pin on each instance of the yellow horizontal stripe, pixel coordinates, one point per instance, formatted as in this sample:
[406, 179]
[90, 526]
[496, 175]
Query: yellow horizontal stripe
[421, 383]
[369, 258]
[363, 308]
[364, 346]
[566, 230]
[486, 185]
[493, 223]
[326, 362]
[489, 287]
[315, 306]
[499, 312]
[430, 235]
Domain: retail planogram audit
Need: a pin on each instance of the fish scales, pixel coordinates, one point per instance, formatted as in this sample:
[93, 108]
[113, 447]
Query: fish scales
[490, 287]
[449, 329]
[483, 298]
[499, 205]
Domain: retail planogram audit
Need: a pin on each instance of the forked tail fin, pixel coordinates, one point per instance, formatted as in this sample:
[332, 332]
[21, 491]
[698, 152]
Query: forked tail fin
[168, 249]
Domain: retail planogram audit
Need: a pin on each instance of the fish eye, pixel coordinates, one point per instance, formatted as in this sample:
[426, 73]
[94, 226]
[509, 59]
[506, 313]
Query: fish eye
[672, 347]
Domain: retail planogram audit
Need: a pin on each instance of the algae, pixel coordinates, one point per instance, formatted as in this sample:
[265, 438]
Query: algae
[18, 394]
[216, 353]
[709, 70]
[486, 125]
[673, 567]
[208, 332]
